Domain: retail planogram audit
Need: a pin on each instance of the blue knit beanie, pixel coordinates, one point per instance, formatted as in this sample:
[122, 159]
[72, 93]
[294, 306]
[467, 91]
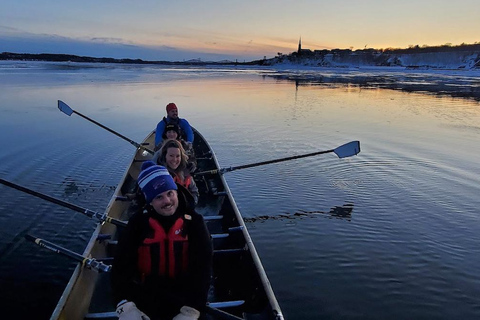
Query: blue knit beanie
[154, 179]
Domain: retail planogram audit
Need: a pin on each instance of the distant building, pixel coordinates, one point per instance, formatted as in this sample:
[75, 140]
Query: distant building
[302, 51]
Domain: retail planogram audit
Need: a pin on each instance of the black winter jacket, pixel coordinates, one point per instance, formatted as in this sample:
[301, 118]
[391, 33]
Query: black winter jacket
[162, 297]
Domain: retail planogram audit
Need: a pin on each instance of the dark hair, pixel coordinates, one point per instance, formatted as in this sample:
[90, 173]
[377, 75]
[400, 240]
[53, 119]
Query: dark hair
[171, 127]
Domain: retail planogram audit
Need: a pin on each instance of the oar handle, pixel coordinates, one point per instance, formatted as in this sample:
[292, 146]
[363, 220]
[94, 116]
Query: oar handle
[118, 223]
[89, 213]
[87, 262]
[203, 173]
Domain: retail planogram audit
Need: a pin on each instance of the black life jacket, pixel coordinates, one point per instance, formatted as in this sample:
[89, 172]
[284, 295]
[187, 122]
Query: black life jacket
[165, 254]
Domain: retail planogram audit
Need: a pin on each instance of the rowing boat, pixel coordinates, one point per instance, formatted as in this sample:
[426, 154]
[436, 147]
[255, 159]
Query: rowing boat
[239, 282]
[240, 288]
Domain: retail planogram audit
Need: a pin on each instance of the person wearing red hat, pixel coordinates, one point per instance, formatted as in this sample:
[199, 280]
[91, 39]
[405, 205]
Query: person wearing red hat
[172, 118]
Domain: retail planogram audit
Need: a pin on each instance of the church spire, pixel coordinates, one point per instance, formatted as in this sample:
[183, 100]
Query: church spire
[300, 45]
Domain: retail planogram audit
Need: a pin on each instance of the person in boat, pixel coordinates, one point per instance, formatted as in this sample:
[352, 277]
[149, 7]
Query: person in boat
[172, 132]
[172, 117]
[173, 157]
[163, 262]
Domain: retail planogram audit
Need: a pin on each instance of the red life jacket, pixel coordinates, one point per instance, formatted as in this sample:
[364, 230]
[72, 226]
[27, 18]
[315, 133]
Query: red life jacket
[166, 254]
[186, 182]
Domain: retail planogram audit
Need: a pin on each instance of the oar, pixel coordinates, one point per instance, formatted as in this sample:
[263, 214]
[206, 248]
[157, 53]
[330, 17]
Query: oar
[347, 150]
[87, 262]
[102, 217]
[68, 111]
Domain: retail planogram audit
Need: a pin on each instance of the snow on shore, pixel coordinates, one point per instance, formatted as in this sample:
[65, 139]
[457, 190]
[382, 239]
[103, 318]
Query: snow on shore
[346, 58]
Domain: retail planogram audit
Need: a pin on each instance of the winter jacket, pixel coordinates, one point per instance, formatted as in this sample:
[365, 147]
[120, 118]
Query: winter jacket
[161, 296]
[187, 132]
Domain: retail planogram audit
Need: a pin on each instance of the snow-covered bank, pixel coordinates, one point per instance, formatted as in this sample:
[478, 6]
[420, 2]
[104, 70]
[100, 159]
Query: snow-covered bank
[462, 59]
[454, 82]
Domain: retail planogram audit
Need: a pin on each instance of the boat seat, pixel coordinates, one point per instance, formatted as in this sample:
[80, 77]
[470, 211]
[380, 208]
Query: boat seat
[219, 235]
[214, 236]
[210, 305]
[140, 160]
[228, 251]
[216, 252]
[101, 315]
[122, 198]
[103, 236]
[225, 235]
[225, 304]
[106, 237]
[208, 218]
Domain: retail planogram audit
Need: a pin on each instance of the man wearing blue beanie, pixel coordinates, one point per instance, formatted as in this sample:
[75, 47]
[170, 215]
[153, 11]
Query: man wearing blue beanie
[154, 180]
[163, 263]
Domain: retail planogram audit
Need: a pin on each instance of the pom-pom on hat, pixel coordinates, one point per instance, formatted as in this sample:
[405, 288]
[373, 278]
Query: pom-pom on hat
[154, 180]
[171, 106]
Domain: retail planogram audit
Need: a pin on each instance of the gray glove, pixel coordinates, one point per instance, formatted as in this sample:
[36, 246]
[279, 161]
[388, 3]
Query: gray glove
[187, 313]
[127, 310]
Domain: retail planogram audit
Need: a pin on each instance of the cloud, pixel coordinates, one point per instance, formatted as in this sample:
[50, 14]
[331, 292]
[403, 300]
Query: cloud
[5, 29]
[12, 40]
[108, 40]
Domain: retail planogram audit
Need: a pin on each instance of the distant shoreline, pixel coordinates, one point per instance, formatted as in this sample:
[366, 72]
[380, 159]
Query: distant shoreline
[465, 56]
[52, 57]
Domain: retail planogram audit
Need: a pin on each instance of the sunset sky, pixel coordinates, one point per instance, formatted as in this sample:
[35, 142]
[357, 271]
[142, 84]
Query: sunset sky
[243, 30]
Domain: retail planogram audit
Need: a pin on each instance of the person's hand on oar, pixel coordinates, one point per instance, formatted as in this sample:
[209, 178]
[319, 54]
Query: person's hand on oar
[187, 313]
[127, 310]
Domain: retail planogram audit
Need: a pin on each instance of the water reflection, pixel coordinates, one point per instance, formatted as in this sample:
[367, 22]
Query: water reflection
[71, 188]
[459, 84]
[339, 212]
[75, 188]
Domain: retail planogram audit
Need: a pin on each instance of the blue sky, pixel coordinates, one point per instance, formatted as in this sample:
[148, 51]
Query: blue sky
[235, 30]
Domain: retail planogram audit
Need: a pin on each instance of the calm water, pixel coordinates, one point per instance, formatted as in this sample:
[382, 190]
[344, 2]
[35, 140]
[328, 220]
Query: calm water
[393, 233]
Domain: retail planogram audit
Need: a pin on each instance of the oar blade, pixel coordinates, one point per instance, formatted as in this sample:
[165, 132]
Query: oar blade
[65, 108]
[347, 150]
